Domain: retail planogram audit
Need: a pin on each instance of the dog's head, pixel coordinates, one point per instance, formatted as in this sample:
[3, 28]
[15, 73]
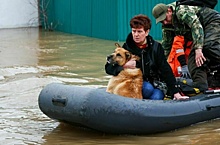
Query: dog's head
[120, 56]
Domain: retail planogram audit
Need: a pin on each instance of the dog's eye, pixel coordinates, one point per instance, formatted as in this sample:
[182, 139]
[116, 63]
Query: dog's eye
[118, 54]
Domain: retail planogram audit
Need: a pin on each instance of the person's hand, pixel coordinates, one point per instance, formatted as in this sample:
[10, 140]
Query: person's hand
[130, 64]
[177, 96]
[199, 58]
[185, 72]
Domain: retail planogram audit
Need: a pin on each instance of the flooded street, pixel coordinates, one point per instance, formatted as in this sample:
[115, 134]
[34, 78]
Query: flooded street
[31, 59]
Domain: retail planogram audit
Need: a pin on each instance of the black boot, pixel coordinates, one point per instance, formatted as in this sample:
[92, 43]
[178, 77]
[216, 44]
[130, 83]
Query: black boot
[201, 86]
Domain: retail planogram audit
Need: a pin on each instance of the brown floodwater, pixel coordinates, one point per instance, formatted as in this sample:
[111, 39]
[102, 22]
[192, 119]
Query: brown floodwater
[31, 58]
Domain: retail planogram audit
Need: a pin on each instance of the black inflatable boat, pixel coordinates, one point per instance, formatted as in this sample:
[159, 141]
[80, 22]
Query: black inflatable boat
[96, 109]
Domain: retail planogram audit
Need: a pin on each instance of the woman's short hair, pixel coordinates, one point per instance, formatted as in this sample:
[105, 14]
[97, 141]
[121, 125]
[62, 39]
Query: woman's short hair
[140, 21]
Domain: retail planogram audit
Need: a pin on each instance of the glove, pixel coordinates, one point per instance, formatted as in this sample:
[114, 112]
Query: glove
[185, 72]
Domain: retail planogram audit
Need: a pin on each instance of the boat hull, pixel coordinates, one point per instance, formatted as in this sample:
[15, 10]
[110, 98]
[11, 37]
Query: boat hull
[96, 109]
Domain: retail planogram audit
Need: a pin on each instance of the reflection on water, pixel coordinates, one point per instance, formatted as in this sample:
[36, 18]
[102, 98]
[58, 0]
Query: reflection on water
[81, 58]
[31, 59]
[200, 134]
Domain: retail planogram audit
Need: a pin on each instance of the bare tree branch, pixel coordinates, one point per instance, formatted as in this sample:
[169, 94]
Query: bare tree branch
[42, 7]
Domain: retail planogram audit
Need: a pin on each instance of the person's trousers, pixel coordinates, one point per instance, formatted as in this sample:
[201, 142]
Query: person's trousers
[198, 74]
[149, 92]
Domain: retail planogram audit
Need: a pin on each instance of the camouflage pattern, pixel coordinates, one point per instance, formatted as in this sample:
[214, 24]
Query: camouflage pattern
[168, 35]
[186, 23]
[202, 26]
[197, 24]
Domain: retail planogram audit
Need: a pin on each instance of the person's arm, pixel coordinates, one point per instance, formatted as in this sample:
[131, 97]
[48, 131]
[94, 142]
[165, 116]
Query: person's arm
[167, 74]
[167, 39]
[178, 49]
[113, 69]
[166, 71]
[188, 16]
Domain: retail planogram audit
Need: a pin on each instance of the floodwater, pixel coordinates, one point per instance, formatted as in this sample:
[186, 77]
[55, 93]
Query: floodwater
[31, 58]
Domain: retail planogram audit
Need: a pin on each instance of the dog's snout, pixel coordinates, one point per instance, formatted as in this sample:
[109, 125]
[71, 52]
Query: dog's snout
[109, 58]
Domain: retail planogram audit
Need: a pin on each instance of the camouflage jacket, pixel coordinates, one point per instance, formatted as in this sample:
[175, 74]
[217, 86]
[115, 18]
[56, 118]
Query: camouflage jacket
[185, 22]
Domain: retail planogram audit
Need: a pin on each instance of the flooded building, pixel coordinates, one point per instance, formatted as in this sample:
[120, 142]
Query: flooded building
[18, 13]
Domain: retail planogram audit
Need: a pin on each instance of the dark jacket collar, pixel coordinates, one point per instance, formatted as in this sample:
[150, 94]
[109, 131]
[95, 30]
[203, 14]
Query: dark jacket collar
[132, 47]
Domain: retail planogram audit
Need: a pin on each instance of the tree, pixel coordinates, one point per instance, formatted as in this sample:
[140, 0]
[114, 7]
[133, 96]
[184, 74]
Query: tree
[43, 11]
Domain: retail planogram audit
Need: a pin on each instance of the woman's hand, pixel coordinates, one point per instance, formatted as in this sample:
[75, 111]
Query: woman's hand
[199, 58]
[130, 64]
[177, 96]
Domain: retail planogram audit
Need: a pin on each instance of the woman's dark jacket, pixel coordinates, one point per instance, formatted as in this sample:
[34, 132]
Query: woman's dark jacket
[153, 63]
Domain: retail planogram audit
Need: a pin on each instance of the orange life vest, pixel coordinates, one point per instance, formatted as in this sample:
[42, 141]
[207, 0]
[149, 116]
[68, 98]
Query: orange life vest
[177, 50]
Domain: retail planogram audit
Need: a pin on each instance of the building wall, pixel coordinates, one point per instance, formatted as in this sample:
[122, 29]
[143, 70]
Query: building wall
[105, 19]
[18, 13]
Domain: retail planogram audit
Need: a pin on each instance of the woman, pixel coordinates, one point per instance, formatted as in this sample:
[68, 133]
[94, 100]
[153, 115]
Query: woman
[153, 62]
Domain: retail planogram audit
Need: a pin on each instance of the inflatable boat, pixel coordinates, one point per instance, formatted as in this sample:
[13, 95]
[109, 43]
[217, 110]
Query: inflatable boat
[96, 109]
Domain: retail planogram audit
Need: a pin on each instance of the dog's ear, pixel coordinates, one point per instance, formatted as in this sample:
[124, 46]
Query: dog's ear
[116, 44]
[128, 55]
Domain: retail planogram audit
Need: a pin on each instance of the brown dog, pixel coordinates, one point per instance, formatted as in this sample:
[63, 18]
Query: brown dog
[128, 82]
